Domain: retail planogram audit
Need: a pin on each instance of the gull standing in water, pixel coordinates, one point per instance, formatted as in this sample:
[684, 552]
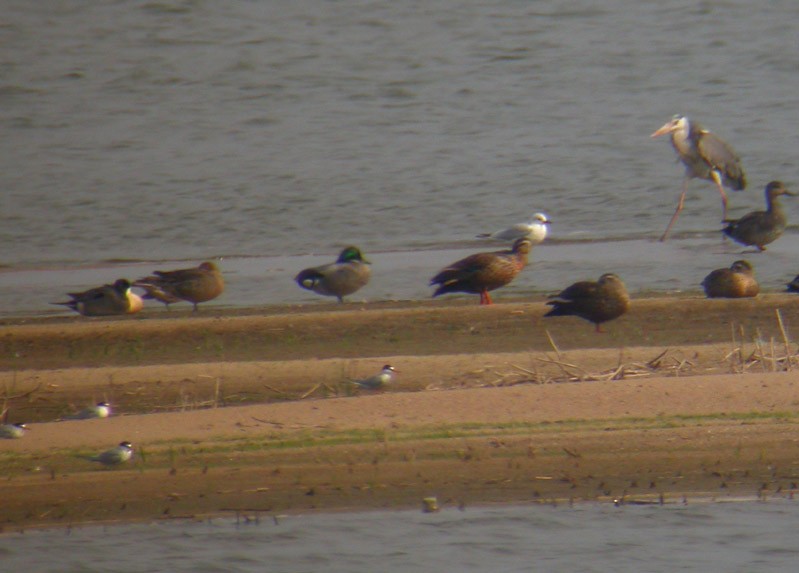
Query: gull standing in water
[705, 156]
[535, 231]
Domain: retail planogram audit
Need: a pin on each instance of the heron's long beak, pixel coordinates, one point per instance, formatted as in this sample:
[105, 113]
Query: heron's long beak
[666, 128]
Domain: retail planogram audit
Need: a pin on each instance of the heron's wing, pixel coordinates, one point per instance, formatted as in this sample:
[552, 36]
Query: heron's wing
[718, 153]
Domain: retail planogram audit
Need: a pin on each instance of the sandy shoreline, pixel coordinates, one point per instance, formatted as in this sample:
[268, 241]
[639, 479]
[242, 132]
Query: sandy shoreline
[253, 412]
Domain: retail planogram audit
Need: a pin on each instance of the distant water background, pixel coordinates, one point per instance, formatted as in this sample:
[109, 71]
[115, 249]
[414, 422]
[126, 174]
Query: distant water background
[149, 135]
[729, 537]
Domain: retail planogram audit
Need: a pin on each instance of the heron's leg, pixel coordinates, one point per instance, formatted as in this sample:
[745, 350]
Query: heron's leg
[665, 234]
[717, 180]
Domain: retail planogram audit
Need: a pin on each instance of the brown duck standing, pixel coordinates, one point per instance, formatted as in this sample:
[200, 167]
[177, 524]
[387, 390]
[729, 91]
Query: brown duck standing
[596, 302]
[759, 228]
[483, 272]
[195, 285]
[738, 281]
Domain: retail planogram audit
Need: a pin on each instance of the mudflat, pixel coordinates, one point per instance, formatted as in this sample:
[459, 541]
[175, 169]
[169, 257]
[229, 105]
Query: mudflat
[254, 411]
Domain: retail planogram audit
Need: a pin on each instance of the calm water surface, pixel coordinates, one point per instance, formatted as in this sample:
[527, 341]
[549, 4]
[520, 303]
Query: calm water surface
[730, 537]
[154, 134]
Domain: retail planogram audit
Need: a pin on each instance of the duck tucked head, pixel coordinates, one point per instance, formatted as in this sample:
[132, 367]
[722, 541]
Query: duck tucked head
[351, 254]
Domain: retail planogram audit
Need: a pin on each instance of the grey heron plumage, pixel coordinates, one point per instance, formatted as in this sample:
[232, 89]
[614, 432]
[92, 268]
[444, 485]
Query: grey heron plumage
[705, 156]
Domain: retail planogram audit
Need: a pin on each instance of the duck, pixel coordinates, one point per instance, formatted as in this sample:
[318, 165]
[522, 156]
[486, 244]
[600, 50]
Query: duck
[106, 300]
[350, 273]
[13, 431]
[385, 376]
[194, 285]
[759, 228]
[534, 230]
[117, 455]
[595, 301]
[738, 281]
[156, 292]
[483, 272]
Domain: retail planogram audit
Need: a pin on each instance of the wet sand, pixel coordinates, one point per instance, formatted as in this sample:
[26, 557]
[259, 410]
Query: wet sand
[253, 411]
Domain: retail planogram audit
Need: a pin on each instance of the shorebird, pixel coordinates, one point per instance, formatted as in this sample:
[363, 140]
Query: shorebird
[738, 281]
[759, 228]
[596, 302]
[195, 285]
[115, 456]
[13, 431]
[348, 274]
[105, 300]
[535, 231]
[377, 381]
[483, 272]
[99, 410]
[705, 156]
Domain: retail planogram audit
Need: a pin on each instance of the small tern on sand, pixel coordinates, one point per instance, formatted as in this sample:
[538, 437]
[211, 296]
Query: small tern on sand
[99, 410]
[378, 380]
[12, 431]
[115, 456]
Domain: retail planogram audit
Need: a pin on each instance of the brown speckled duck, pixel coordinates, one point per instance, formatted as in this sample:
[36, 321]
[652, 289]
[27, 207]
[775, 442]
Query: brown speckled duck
[738, 281]
[106, 300]
[348, 274]
[483, 272]
[596, 302]
[195, 285]
[759, 228]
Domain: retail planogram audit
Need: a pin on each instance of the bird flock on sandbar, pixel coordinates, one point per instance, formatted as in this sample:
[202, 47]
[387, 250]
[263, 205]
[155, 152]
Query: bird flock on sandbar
[703, 154]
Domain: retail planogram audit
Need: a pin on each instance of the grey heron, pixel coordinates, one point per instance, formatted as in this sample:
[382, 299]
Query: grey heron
[705, 156]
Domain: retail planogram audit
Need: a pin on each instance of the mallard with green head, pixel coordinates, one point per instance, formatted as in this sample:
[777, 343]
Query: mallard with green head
[483, 272]
[348, 274]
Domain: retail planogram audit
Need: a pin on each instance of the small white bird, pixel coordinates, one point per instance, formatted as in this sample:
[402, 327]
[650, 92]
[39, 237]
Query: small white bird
[115, 456]
[378, 380]
[535, 230]
[12, 431]
[99, 410]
